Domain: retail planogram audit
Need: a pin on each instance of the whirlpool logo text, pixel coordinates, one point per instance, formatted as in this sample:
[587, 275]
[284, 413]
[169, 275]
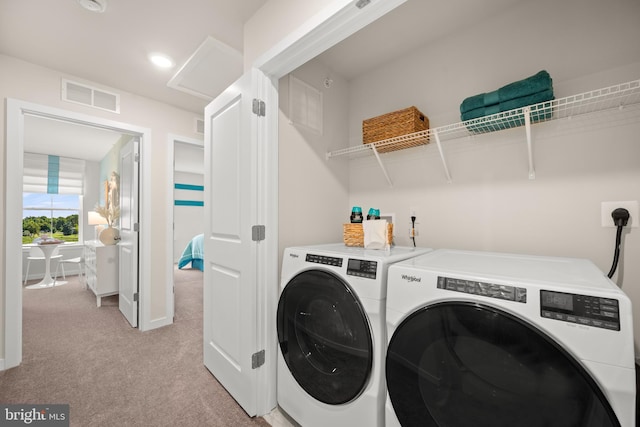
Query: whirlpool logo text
[411, 279]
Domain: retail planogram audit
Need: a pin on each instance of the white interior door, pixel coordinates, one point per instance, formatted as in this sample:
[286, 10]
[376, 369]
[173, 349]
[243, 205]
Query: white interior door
[128, 246]
[231, 201]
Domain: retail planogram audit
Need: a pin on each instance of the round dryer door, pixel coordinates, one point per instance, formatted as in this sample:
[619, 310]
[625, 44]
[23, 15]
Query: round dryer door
[462, 364]
[324, 337]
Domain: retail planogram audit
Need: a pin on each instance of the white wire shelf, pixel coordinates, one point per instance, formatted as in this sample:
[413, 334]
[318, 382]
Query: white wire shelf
[608, 98]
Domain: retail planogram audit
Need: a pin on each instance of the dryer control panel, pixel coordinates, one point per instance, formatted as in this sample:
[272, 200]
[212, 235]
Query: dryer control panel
[588, 310]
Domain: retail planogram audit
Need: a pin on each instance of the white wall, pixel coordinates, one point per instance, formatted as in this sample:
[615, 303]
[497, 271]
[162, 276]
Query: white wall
[491, 204]
[313, 193]
[31, 83]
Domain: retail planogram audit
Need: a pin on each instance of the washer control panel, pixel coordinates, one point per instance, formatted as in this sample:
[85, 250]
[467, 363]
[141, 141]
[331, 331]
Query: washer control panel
[326, 260]
[362, 268]
[491, 290]
[585, 310]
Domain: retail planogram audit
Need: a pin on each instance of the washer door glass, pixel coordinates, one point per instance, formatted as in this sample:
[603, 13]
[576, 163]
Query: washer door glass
[324, 337]
[460, 364]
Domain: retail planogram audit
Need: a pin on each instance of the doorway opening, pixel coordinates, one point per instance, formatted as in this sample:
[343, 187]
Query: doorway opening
[186, 160]
[16, 113]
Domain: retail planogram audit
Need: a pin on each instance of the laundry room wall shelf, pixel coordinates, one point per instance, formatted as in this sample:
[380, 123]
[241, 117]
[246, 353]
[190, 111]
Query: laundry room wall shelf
[608, 99]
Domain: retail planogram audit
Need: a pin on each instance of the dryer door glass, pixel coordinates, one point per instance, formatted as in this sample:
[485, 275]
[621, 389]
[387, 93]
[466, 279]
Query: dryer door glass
[462, 364]
[324, 337]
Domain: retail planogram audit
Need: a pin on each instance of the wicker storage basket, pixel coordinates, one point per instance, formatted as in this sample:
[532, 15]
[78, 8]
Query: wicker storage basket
[391, 125]
[353, 234]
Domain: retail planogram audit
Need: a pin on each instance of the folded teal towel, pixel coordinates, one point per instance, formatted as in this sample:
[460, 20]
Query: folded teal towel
[480, 112]
[523, 101]
[537, 83]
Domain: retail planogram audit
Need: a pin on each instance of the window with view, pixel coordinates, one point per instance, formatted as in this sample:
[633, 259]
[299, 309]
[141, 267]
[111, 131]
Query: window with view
[51, 196]
[55, 215]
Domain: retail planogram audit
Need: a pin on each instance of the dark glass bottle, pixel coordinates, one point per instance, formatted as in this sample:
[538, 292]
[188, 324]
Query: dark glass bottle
[356, 215]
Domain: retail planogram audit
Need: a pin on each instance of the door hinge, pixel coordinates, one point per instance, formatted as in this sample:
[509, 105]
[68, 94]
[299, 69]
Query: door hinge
[136, 157]
[258, 233]
[135, 227]
[135, 297]
[257, 359]
[259, 107]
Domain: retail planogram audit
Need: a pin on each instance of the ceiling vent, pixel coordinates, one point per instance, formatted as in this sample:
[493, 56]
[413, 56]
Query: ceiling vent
[211, 69]
[90, 96]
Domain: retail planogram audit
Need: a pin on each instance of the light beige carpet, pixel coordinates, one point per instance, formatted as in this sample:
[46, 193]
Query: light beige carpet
[112, 374]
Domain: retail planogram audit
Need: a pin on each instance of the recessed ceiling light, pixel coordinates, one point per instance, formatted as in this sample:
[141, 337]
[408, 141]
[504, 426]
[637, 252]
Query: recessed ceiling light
[161, 60]
[97, 6]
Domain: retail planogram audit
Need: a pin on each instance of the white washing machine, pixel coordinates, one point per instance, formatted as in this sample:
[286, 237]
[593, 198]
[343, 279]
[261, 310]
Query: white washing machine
[331, 333]
[499, 340]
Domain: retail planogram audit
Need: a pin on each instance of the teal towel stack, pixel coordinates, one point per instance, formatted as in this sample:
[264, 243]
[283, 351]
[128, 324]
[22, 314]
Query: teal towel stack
[532, 90]
[507, 105]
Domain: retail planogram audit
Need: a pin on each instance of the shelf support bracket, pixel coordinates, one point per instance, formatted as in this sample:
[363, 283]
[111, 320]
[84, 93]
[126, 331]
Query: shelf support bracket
[526, 111]
[384, 170]
[444, 161]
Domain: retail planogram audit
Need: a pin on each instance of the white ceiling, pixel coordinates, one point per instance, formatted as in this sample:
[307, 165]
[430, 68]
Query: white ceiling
[111, 48]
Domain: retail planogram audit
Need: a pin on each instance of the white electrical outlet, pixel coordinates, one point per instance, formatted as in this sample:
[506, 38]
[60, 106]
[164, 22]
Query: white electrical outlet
[631, 206]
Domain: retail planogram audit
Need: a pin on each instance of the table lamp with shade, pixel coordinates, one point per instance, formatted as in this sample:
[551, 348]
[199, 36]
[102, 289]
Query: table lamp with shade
[94, 218]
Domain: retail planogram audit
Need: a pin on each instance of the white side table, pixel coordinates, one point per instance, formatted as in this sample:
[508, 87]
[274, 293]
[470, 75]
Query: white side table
[47, 281]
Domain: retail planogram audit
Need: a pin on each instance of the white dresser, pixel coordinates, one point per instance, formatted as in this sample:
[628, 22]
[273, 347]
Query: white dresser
[101, 266]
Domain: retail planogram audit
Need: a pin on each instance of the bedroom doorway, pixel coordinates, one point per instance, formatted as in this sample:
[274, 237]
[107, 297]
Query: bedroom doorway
[16, 111]
[186, 195]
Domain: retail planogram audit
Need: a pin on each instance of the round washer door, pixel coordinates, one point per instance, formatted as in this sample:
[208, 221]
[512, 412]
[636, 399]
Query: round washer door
[461, 364]
[325, 337]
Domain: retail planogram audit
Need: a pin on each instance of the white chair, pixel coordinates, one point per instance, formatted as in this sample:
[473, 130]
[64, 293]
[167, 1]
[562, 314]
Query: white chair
[35, 254]
[78, 261]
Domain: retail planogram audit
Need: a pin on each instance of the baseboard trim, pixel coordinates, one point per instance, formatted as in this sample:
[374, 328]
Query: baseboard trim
[278, 418]
[159, 323]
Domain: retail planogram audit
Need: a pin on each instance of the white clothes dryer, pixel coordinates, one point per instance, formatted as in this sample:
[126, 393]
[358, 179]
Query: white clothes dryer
[331, 333]
[499, 340]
